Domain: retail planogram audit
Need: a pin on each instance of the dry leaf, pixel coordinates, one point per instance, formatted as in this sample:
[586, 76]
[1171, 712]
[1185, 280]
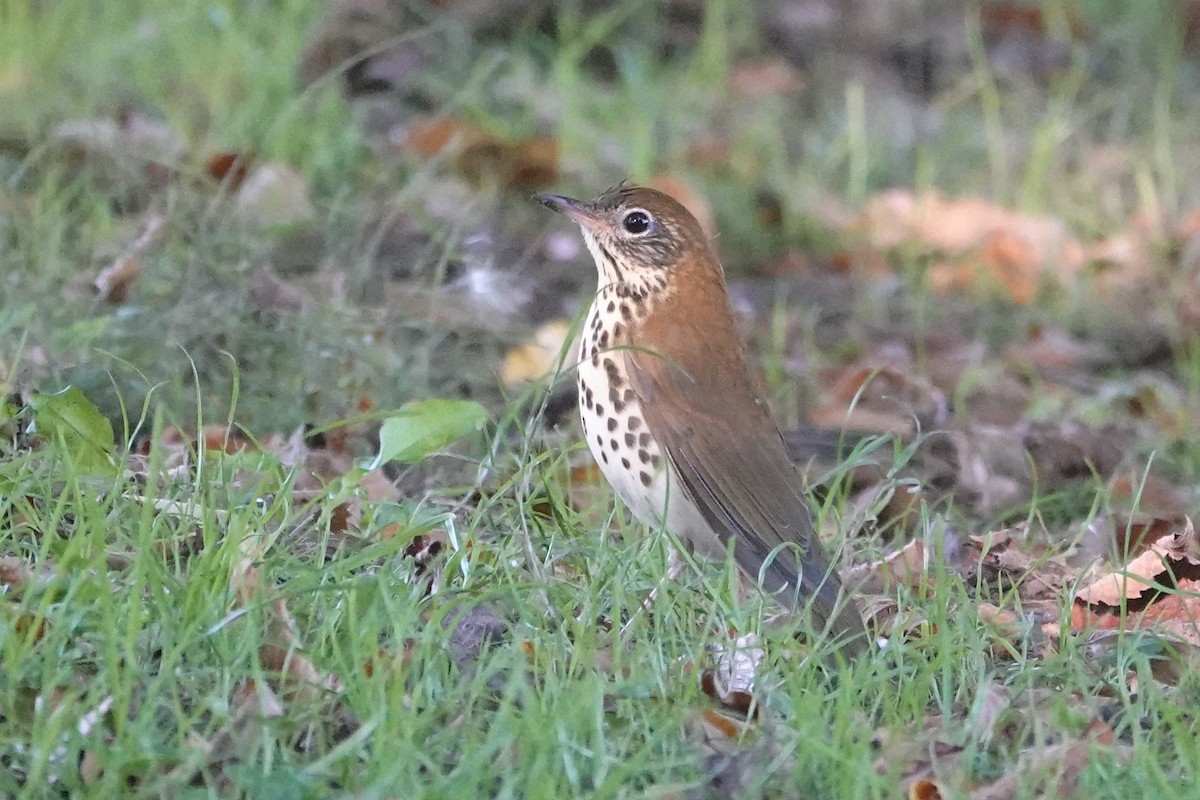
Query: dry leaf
[1059, 765]
[732, 680]
[529, 163]
[228, 168]
[537, 359]
[875, 398]
[906, 567]
[763, 78]
[975, 242]
[924, 790]
[274, 195]
[114, 281]
[1172, 555]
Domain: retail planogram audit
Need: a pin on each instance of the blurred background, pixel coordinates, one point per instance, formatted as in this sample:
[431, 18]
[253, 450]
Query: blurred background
[327, 202]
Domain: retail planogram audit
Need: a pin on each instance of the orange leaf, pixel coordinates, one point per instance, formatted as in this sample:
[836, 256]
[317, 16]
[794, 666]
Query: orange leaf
[228, 167]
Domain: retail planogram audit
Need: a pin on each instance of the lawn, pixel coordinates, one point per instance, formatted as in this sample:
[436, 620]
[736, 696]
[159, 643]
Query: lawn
[293, 499]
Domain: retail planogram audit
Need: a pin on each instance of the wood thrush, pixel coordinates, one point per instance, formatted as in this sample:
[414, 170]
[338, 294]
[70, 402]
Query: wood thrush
[673, 414]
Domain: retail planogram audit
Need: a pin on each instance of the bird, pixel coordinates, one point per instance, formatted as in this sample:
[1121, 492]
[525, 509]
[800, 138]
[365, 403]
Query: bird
[675, 416]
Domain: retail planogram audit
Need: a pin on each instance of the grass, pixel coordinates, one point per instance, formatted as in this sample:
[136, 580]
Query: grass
[560, 706]
[147, 653]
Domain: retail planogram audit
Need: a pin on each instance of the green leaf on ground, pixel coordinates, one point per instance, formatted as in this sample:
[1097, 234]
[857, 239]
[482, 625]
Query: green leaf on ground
[71, 420]
[421, 428]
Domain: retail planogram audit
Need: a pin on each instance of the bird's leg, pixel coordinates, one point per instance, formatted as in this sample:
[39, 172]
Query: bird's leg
[676, 562]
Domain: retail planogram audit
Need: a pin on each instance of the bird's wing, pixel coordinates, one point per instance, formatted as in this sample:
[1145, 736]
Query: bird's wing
[737, 472]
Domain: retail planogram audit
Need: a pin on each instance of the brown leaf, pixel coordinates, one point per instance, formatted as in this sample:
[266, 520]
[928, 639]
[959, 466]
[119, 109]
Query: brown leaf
[721, 732]
[991, 703]
[281, 649]
[431, 137]
[114, 281]
[1172, 556]
[924, 790]
[528, 163]
[769, 77]
[1147, 497]
[1002, 18]
[1176, 614]
[229, 168]
[15, 574]
[875, 398]
[978, 243]
[1007, 558]
[1169, 662]
[905, 567]
[1057, 766]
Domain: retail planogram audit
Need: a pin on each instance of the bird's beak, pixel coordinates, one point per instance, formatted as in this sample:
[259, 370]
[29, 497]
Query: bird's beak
[576, 210]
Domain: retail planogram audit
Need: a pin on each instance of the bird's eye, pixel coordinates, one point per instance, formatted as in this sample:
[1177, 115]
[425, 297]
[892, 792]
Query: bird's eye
[636, 222]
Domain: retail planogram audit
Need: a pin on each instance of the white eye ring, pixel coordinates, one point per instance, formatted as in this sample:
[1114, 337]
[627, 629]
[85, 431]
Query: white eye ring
[637, 222]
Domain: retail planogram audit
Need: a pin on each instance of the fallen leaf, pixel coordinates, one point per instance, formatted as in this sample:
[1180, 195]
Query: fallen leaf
[762, 78]
[1057, 767]
[537, 359]
[228, 168]
[973, 242]
[924, 790]
[1171, 556]
[528, 163]
[273, 195]
[732, 680]
[114, 281]
[905, 567]
[875, 398]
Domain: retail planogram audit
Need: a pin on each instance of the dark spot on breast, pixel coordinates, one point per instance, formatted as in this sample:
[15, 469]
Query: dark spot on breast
[616, 329]
[612, 443]
[628, 396]
[643, 439]
[604, 456]
[612, 424]
[646, 479]
[618, 403]
[599, 409]
[644, 456]
[630, 440]
[635, 423]
[595, 359]
[625, 463]
[614, 375]
[611, 307]
[626, 312]
[654, 459]
[603, 342]
[599, 441]
[588, 397]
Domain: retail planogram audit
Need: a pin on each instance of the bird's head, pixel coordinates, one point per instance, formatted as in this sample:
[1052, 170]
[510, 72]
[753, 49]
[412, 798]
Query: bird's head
[639, 237]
